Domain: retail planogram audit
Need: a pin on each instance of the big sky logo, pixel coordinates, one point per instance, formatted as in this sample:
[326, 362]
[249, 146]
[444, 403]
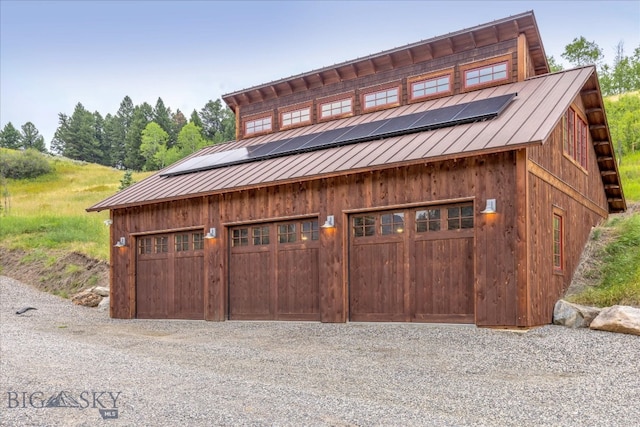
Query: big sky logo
[106, 402]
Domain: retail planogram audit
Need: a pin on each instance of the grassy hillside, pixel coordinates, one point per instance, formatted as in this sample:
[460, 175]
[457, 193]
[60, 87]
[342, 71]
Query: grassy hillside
[48, 212]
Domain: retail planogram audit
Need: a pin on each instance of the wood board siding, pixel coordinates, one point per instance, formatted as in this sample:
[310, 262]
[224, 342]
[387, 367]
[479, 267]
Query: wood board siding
[557, 182]
[354, 87]
[479, 178]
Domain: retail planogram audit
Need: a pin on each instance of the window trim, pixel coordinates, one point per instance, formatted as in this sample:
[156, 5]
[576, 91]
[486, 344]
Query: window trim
[575, 138]
[377, 90]
[295, 109]
[472, 66]
[333, 99]
[426, 78]
[256, 118]
[557, 269]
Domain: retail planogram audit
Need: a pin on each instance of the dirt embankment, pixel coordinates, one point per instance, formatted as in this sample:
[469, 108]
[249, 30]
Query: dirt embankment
[59, 273]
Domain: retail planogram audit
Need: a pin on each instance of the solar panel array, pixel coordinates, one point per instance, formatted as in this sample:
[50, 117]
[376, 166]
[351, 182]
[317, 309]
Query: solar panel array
[469, 112]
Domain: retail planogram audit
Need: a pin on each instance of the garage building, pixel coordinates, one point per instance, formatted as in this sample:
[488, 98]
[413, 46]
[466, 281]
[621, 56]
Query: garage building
[451, 180]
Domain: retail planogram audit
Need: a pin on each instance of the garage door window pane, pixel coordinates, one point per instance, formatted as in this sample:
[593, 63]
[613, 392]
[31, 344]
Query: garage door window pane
[161, 245]
[240, 237]
[287, 233]
[460, 217]
[198, 241]
[392, 223]
[364, 225]
[144, 245]
[309, 230]
[182, 242]
[428, 220]
[260, 235]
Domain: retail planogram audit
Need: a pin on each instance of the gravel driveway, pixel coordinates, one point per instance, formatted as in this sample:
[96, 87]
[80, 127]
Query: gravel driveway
[195, 373]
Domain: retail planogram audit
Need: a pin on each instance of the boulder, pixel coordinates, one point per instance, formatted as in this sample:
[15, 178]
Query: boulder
[101, 290]
[86, 298]
[619, 318]
[573, 315]
[104, 304]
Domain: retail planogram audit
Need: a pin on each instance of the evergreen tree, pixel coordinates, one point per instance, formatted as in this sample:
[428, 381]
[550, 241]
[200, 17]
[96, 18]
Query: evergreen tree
[58, 142]
[80, 140]
[211, 116]
[195, 119]
[31, 138]
[113, 138]
[179, 121]
[162, 116]
[10, 137]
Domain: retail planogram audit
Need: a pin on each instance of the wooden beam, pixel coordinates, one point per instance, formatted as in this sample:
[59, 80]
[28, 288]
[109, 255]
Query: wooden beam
[597, 127]
[411, 56]
[473, 39]
[600, 143]
[594, 110]
[611, 187]
[430, 51]
[355, 70]
[306, 83]
[290, 86]
[337, 74]
[559, 184]
[589, 92]
[320, 78]
[608, 173]
[275, 92]
[522, 239]
[373, 65]
[605, 158]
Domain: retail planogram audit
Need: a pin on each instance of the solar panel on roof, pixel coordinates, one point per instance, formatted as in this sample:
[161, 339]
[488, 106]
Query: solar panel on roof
[417, 122]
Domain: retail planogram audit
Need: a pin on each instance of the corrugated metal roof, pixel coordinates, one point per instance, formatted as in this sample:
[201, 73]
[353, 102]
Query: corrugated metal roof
[529, 119]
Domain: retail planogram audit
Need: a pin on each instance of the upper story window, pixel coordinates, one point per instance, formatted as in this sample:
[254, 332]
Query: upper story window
[487, 74]
[336, 108]
[257, 126]
[381, 98]
[574, 137]
[292, 118]
[432, 86]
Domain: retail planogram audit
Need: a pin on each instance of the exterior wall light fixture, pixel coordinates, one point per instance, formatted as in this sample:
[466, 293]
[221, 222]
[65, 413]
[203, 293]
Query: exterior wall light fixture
[121, 243]
[211, 234]
[491, 207]
[329, 223]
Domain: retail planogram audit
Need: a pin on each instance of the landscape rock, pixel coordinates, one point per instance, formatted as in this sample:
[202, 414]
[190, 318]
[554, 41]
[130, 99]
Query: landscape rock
[619, 318]
[101, 290]
[104, 304]
[86, 298]
[574, 315]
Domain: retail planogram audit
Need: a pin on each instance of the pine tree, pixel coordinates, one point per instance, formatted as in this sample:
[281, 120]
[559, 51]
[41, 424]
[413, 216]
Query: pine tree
[10, 137]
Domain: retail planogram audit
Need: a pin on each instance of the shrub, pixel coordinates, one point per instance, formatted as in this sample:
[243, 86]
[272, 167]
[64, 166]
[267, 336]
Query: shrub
[23, 164]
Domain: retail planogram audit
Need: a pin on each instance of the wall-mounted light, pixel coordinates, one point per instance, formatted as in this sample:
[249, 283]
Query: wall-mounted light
[329, 223]
[107, 222]
[491, 207]
[211, 234]
[121, 243]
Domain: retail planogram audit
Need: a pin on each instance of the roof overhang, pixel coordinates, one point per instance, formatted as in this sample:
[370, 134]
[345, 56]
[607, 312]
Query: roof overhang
[460, 41]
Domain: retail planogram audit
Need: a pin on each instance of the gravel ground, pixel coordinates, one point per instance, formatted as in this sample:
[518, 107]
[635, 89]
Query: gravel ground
[195, 373]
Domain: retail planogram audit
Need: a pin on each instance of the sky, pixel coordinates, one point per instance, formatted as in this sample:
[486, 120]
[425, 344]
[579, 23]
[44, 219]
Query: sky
[54, 54]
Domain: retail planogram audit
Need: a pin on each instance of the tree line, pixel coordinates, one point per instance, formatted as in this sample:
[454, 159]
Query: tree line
[136, 137]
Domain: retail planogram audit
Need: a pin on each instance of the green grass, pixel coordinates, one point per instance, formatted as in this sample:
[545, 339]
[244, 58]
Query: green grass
[620, 283]
[630, 176]
[48, 212]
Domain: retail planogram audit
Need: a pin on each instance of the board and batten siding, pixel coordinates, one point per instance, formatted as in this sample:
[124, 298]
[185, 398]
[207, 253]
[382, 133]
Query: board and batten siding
[473, 178]
[556, 182]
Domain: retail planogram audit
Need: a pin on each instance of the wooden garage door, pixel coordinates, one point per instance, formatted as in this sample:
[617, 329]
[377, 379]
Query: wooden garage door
[412, 265]
[170, 276]
[273, 271]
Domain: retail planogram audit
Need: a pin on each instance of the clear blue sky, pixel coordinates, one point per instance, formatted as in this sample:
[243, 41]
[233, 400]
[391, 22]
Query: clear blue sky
[54, 54]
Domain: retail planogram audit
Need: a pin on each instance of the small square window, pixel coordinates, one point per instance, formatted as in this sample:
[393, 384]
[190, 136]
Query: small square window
[198, 241]
[392, 223]
[182, 242]
[309, 230]
[460, 217]
[144, 245]
[240, 237]
[260, 235]
[287, 233]
[364, 226]
[161, 244]
[428, 220]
